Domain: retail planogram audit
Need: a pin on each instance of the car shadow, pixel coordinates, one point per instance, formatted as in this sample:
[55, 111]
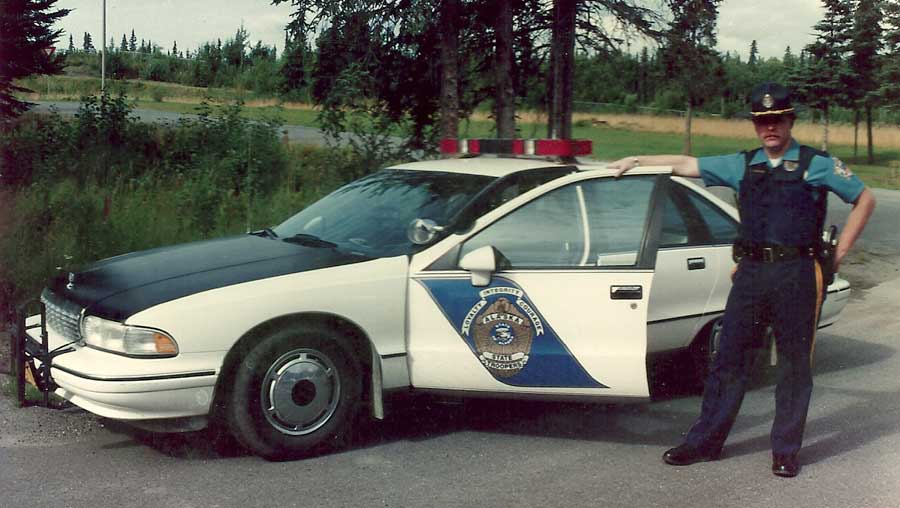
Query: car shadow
[674, 406]
[661, 422]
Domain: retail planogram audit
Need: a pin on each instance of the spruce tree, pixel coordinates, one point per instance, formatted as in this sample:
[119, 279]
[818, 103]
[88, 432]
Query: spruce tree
[789, 60]
[27, 37]
[71, 44]
[691, 62]
[132, 42]
[123, 46]
[864, 47]
[87, 44]
[824, 81]
[889, 91]
[754, 55]
[293, 70]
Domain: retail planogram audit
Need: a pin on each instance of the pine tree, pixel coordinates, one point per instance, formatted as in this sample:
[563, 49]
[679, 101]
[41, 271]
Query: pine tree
[132, 42]
[691, 63]
[864, 47]
[175, 48]
[26, 36]
[87, 44]
[71, 44]
[293, 70]
[889, 91]
[123, 46]
[789, 60]
[823, 82]
[754, 55]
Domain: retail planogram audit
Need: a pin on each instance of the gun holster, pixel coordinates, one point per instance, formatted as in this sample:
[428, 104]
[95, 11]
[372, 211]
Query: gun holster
[827, 251]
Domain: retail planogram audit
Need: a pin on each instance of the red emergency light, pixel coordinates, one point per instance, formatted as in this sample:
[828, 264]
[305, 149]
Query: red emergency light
[549, 147]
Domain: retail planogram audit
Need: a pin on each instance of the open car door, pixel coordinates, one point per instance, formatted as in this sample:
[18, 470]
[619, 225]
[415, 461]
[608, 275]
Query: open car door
[547, 294]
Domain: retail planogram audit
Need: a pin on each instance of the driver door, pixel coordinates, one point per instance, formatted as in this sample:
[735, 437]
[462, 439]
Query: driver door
[546, 295]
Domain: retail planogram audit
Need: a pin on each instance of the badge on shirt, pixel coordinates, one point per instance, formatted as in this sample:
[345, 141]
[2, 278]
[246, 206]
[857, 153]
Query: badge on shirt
[791, 165]
[841, 169]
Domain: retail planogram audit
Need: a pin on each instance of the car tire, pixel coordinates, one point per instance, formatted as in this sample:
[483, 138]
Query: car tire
[703, 351]
[705, 347]
[295, 394]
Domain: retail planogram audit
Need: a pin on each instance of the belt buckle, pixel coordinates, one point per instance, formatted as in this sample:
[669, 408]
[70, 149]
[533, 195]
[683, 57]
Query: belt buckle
[768, 255]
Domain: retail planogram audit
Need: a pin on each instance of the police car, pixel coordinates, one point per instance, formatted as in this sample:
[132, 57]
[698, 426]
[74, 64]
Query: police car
[479, 275]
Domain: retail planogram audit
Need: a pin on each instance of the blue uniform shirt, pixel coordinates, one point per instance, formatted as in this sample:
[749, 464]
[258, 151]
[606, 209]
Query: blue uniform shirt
[828, 172]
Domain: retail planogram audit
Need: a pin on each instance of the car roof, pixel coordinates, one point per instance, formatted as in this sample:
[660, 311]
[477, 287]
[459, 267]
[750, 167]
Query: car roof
[502, 166]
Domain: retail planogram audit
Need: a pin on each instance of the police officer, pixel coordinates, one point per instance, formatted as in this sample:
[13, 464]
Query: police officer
[782, 190]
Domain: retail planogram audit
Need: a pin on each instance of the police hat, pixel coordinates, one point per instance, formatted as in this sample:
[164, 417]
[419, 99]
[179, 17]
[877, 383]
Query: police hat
[770, 99]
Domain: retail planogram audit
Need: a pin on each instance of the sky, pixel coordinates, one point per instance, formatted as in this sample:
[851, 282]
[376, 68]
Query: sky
[774, 24]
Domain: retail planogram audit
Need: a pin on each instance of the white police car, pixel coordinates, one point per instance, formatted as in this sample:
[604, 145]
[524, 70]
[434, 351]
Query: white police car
[479, 275]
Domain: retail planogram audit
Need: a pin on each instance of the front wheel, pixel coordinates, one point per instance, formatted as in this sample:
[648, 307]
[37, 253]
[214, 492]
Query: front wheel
[296, 393]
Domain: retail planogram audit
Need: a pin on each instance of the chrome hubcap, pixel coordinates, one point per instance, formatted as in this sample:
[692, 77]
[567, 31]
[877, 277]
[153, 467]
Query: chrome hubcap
[300, 392]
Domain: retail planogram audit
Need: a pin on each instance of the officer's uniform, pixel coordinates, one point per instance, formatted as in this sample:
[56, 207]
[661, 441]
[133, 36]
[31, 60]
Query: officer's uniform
[778, 283]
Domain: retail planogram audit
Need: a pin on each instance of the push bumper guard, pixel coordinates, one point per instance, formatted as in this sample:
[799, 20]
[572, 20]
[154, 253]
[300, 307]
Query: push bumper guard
[24, 352]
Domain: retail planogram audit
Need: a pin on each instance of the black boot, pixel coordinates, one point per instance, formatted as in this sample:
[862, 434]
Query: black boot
[686, 455]
[785, 465]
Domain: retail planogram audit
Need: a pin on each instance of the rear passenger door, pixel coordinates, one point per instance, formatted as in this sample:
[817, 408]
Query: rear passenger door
[693, 267]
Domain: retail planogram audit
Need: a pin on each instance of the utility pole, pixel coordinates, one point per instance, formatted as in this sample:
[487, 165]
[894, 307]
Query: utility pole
[103, 53]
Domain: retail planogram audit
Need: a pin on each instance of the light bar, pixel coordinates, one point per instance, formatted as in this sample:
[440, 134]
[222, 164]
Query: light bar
[553, 147]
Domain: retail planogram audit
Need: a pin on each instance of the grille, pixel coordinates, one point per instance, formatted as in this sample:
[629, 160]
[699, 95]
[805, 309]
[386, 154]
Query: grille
[63, 316]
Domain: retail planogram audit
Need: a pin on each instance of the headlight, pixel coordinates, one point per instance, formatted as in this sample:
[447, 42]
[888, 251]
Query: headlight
[128, 340]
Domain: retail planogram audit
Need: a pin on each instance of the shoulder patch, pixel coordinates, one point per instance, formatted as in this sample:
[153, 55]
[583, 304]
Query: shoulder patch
[841, 169]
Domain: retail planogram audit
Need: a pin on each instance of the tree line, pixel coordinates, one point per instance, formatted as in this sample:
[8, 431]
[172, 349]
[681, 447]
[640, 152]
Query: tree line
[422, 65]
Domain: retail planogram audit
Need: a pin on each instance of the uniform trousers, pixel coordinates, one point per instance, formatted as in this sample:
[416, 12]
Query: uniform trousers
[785, 295]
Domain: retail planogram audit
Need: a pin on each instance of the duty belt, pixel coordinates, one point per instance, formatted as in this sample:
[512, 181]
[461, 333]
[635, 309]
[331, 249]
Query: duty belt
[770, 253]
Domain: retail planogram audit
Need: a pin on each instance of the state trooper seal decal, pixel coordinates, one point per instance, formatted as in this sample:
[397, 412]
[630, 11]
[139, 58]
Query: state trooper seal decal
[503, 334]
[507, 333]
[768, 101]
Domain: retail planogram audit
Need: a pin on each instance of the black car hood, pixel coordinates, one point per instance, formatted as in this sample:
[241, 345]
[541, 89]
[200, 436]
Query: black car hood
[119, 287]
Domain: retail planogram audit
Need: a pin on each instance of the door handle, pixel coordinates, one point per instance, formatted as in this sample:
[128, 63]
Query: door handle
[696, 263]
[626, 292]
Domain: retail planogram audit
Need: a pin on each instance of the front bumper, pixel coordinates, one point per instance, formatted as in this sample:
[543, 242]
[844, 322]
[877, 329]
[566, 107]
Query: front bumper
[114, 386]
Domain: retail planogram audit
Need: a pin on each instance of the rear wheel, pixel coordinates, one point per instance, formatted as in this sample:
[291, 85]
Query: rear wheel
[706, 347]
[703, 351]
[295, 394]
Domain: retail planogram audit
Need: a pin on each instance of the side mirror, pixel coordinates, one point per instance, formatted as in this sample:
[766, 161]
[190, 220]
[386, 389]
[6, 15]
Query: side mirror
[482, 263]
[422, 231]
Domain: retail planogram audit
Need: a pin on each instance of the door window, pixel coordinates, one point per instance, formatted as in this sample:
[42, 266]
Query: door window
[546, 232]
[592, 223]
[690, 220]
[722, 228]
[617, 216]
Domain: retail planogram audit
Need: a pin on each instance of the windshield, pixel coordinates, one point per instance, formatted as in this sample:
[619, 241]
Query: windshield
[370, 216]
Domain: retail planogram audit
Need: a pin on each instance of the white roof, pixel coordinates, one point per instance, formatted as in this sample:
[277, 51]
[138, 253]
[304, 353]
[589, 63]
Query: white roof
[481, 165]
[501, 166]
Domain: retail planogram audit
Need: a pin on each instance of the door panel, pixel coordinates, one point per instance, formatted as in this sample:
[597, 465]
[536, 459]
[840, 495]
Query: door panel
[564, 333]
[555, 317]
